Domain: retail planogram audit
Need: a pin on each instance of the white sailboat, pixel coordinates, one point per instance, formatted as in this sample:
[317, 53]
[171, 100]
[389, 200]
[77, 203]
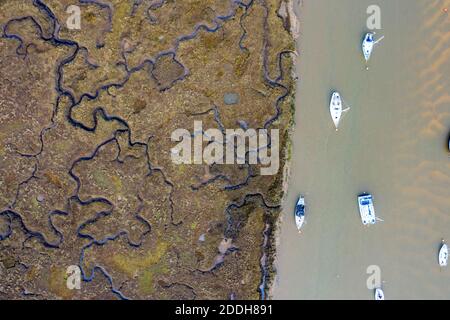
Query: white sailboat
[443, 255]
[366, 209]
[367, 45]
[336, 108]
[300, 213]
[379, 294]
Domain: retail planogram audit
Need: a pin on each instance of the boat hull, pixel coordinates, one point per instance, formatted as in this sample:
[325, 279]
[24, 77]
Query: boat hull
[379, 294]
[366, 209]
[367, 46]
[443, 255]
[299, 221]
[336, 108]
[300, 213]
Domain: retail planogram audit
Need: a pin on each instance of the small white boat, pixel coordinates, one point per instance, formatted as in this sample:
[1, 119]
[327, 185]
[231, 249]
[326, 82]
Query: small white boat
[336, 108]
[366, 209]
[300, 213]
[379, 294]
[367, 45]
[443, 255]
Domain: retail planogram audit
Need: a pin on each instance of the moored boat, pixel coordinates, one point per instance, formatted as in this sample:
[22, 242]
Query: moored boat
[366, 209]
[336, 108]
[443, 255]
[300, 213]
[379, 294]
[367, 45]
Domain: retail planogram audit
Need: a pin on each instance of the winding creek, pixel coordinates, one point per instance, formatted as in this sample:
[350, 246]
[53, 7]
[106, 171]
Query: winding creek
[55, 40]
[392, 143]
